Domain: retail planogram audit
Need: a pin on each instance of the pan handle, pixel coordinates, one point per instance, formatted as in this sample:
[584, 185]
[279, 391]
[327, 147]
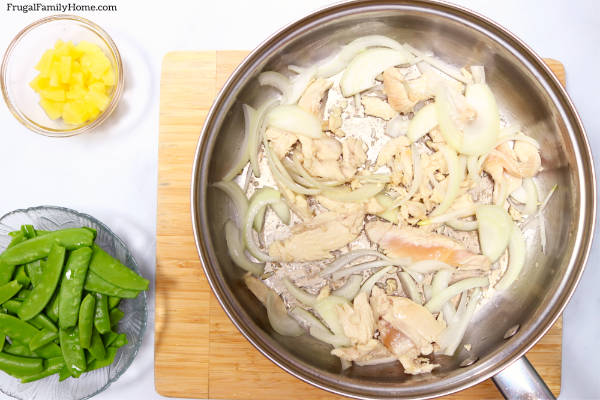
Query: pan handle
[521, 381]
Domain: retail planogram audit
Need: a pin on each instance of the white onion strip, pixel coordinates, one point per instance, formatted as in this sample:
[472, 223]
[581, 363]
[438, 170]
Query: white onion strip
[299, 294]
[437, 301]
[350, 288]
[235, 248]
[461, 225]
[359, 268]
[278, 81]
[238, 197]
[369, 283]
[317, 329]
[266, 197]
[244, 154]
[456, 175]
[282, 177]
[279, 319]
[428, 266]
[410, 287]
[348, 258]
[460, 213]
[454, 333]
[344, 194]
[516, 259]
[449, 70]
[257, 134]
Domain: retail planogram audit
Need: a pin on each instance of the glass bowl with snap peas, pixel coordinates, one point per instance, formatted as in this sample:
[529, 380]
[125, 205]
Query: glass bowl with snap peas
[72, 305]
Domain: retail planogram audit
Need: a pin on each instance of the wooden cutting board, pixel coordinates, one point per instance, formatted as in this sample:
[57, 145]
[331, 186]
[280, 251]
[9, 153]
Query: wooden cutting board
[198, 351]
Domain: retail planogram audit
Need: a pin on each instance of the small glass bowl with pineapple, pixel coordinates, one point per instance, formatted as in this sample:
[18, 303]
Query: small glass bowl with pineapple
[61, 76]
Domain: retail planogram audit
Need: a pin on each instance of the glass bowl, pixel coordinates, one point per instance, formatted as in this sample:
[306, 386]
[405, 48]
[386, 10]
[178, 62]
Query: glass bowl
[133, 323]
[23, 54]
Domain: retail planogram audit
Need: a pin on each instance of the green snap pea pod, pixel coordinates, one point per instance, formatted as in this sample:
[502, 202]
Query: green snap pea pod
[29, 231]
[2, 342]
[115, 316]
[86, 320]
[41, 339]
[51, 366]
[21, 276]
[111, 270]
[101, 315]
[42, 293]
[7, 270]
[40, 321]
[34, 270]
[96, 346]
[51, 308]
[23, 294]
[14, 234]
[23, 332]
[40, 246]
[111, 352]
[95, 283]
[21, 350]
[71, 286]
[15, 365]
[109, 338]
[9, 290]
[120, 341]
[72, 351]
[64, 373]
[12, 306]
[113, 302]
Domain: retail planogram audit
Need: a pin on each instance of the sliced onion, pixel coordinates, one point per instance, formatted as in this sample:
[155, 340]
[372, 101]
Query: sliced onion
[282, 210]
[532, 196]
[370, 282]
[300, 82]
[238, 197]
[327, 308]
[292, 118]
[460, 213]
[344, 194]
[257, 134]
[350, 288]
[317, 329]
[278, 81]
[449, 70]
[410, 287]
[495, 228]
[347, 258]
[362, 70]
[280, 321]
[390, 213]
[349, 51]
[376, 361]
[423, 122]
[473, 168]
[519, 137]
[281, 176]
[429, 266]
[453, 335]
[374, 178]
[427, 292]
[359, 268]
[397, 126]
[235, 248]
[456, 176]
[299, 294]
[461, 225]
[478, 73]
[437, 301]
[259, 221]
[250, 122]
[440, 281]
[516, 259]
[264, 197]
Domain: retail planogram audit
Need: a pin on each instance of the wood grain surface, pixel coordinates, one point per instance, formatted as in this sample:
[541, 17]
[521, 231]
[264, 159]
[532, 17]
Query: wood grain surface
[198, 351]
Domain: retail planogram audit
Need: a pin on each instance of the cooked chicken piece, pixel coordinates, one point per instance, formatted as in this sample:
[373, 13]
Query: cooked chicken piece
[320, 157]
[353, 156]
[413, 211]
[297, 202]
[529, 159]
[371, 206]
[327, 148]
[395, 89]
[313, 96]
[371, 350]
[407, 329]
[523, 161]
[397, 155]
[390, 149]
[280, 141]
[328, 169]
[418, 245]
[420, 89]
[335, 121]
[376, 107]
[436, 135]
[357, 321]
[317, 237]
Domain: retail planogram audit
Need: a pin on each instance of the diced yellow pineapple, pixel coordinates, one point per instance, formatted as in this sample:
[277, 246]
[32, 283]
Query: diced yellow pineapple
[54, 94]
[75, 112]
[39, 83]
[65, 69]
[100, 100]
[76, 78]
[109, 78]
[54, 74]
[44, 64]
[54, 109]
[98, 87]
[76, 92]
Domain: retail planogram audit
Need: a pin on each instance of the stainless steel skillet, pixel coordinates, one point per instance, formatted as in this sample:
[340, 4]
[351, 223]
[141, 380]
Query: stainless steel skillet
[527, 92]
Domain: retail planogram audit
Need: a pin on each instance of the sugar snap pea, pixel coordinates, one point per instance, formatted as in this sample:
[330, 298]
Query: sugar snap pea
[101, 315]
[95, 283]
[7, 270]
[111, 352]
[51, 366]
[86, 320]
[113, 302]
[12, 364]
[51, 308]
[42, 293]
[21, 276]
[97, 346]
[115, 316]
[120, 341]
[71, 286]
[41, 321]
[28, 231]
[111, 270]
[12, 306]
[2, 342]
[41, 339]
[23, 332]
[64, 373]
[34, 270]
[23, 294]
[21, 350]
[39, 247]
[72, 351]
[109, 338]
[9, 290]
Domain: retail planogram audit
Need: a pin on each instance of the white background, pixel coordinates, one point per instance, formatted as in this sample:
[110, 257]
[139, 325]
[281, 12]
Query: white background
[111, 173]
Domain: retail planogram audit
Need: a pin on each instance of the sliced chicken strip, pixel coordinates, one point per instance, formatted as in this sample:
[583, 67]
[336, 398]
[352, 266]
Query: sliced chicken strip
[318, 237]
[357, 321]
[353, 156]
[395, 90]
[280, 141]
[313, 96]
[371, 350]
[376, 107]
[418, 245]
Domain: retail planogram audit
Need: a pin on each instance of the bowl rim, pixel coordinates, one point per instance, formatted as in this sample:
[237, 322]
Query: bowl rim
[117, 91]
[135, 268]
[584, 220]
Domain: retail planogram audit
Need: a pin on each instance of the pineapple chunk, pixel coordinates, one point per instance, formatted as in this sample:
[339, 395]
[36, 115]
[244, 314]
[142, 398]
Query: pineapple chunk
[74, 81]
